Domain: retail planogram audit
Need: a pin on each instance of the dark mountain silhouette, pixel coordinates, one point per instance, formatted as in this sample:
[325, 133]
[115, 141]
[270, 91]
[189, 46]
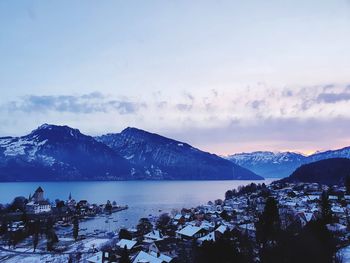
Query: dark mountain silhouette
[329, 171]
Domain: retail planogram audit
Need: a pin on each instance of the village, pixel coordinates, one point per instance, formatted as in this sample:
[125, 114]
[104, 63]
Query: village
[171, 237]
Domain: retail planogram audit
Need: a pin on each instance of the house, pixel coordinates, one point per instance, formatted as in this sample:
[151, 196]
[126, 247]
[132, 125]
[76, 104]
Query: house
[96, 258]
[179, 219]
[166, 246]
[152, 257]
[208, 237]
[221, 229]
[129, 244]
[191, 232]
[103, 257]
[336, 228]
[154, 235]
[37, 203]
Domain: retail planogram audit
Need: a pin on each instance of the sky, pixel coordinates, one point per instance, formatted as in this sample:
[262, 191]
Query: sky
[225, 76]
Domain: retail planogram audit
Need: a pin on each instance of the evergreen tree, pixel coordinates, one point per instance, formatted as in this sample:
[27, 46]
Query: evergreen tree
[269, 224]
[124, 234]
[347, 184]
[144, 226]
[268, 230]
[228, 194]
[35, 240]
[36, 230]
[4, 226]
[24, 218]
[124, 257]
[75, 228]
[326, 208]
[163, 223]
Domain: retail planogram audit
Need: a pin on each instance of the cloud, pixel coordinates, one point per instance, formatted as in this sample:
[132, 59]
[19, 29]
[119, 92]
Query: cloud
[328, 87]
[257, 104]
[333, 97]
[268, 134]
[237, 116]
[87, 103]
[183, 107]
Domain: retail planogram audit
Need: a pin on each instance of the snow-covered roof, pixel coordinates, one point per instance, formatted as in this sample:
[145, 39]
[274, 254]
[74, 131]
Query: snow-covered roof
[178, 217]
[221, 229]
[313, 197]
[337, 209]
[207, 225]
[128, 243]
[208, 237]
[333, 197]
[144, 257]
[161, 256]
[336, 227]
[96, 258]
[250, 226]
[189, 230]
[154, 235]
[308, 216]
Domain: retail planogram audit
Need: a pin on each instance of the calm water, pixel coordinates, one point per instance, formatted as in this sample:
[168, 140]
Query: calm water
[144, 198]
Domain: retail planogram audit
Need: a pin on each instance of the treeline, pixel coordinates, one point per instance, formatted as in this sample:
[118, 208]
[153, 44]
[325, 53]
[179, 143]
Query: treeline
[247, 189]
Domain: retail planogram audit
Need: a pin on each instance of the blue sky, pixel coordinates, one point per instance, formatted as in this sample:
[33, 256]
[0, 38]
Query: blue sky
[225, 76]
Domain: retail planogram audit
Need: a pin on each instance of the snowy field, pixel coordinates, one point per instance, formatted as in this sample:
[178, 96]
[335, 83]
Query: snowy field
[26, 255]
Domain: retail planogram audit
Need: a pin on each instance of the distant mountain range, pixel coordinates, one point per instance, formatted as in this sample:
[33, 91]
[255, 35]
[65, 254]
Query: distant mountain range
[58, 153]
[329, 171]
[281, 164]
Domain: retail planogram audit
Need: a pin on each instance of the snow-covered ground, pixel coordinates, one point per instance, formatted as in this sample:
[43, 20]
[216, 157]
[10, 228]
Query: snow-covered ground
[34, 258]
[25, 255]
[345, 254]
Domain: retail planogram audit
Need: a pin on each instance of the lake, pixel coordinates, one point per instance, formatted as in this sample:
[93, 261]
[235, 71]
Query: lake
[144, 198]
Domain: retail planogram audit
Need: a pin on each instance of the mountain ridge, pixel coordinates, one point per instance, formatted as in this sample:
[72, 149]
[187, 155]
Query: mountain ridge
[165, 157]
[54, 153]
[282, 164]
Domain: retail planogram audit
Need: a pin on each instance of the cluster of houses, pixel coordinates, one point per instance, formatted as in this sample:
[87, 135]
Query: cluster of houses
[298, 204]
[62, 212]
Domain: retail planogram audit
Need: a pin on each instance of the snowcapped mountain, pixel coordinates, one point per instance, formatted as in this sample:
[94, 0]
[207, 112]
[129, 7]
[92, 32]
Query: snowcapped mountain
[54, 153]
[340, 153]
[281, 164]
[59, 153]
[163, 158]
[269, 164]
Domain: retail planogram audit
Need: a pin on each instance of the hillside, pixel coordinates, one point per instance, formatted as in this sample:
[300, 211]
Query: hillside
[164, 158]
[328, 171]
